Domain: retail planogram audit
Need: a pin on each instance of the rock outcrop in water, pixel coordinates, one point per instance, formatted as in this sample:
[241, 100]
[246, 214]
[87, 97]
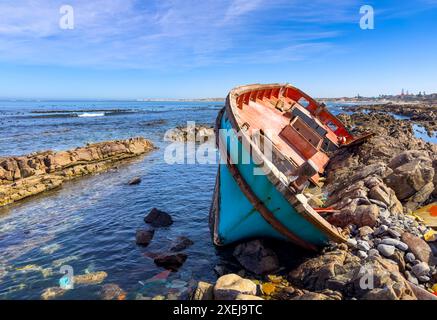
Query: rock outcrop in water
[25, 176]
[196, 133]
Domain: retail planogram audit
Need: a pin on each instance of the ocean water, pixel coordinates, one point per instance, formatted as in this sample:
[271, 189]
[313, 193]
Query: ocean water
[90, 223]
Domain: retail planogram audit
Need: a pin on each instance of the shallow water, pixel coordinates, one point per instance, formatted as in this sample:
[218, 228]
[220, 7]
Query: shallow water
[90, 223]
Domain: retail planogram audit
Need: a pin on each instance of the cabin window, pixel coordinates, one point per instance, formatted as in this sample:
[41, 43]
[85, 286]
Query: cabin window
[304, 102]
[332, 126]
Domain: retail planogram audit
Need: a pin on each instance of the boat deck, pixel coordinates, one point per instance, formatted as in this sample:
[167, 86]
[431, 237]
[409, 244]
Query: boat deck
[283, 129]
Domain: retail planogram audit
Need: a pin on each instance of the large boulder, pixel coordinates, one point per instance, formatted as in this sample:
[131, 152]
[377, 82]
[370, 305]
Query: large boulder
[229, 286]
[412, 177]
[255, 257]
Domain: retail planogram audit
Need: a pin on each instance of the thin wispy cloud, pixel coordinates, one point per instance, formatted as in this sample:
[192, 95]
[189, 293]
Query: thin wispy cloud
[169, 33]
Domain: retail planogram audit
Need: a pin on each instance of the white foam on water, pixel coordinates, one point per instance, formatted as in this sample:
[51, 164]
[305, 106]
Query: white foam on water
[90, 115]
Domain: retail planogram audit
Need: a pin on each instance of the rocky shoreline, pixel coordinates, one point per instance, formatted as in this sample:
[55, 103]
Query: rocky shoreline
[375, 188]
[25, 176]
[421, 114]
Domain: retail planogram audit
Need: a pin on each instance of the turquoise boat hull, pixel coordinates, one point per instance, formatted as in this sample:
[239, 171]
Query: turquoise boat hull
[234, 218]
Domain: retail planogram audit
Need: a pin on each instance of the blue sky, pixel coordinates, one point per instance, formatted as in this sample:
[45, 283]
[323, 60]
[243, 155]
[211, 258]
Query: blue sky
[129, 49]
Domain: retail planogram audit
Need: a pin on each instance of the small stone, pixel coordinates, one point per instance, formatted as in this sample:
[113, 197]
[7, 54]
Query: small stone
[362, 254]
[373, 253]
[380, 230]
[421, 269]
[363, 245]
[134, 181]
[365, 231]
[394, 242]
[394, 233]
[424, 279]
[409, 257]
[143, 237]
[386, 250]
[411, 278]
[352, 242]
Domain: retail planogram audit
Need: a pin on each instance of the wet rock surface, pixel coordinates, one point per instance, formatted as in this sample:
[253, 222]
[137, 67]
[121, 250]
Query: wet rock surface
[90, 278]
[134, 181]
[193, 133]
[112, 291]
[25, 176]
[181, 244]
[143, 237]
[171, 261]
[158, 219]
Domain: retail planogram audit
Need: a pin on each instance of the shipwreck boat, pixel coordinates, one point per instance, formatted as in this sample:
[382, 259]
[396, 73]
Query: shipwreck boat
[300, 134]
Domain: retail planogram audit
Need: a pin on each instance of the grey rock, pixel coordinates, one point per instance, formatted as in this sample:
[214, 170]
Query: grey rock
[352, 242]
[362, 254]
[421, 269]
[394, 233]
[424, 279]
[386, 250]
[380, 230]
[394, 242]
[363, 245]
[373, 253]
[411, 278]
[409, 257]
